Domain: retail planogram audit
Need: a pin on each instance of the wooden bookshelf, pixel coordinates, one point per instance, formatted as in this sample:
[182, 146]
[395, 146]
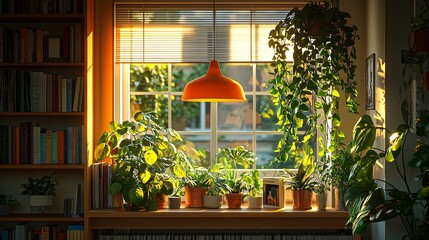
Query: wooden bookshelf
[44, 218]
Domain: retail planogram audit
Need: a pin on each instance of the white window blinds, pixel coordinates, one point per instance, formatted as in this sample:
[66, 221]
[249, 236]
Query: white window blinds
[147, 33]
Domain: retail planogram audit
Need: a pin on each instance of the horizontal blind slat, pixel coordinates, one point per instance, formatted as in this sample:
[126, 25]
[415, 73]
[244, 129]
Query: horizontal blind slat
[144, 35]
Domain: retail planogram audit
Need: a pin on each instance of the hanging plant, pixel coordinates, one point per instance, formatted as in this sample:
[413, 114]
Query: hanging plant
[309, 87]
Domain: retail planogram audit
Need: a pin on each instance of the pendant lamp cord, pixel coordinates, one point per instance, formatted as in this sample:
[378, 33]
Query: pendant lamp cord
[214, 29]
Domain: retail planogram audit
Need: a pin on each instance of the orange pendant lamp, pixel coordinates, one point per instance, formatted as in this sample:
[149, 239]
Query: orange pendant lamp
[213, 86]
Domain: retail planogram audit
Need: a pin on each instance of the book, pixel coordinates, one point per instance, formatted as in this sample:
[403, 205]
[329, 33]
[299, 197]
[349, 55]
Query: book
[63, 95]
[39, 45]
[36, 144]
[60, 147]
[36, 78]
[96, 173]
[69, 94]
[54, 147]
[43, 146]
[48, 147]
[76, 97]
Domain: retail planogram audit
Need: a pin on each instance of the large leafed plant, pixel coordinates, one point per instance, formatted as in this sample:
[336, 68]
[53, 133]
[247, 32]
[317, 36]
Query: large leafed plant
[308, 87]
[368, 201]
[145, 157]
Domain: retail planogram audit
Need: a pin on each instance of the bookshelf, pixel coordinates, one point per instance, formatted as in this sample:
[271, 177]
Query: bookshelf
[43, 106]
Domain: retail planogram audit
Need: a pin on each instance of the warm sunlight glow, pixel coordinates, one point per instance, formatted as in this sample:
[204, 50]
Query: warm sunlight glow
[159, 44]
[240, 43]
[89, 103]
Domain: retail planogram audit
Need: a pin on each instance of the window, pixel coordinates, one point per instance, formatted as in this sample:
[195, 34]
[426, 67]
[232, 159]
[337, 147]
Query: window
[158, 51]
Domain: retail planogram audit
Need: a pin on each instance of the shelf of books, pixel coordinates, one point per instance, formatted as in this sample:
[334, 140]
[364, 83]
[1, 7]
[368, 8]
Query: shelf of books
[43, 115]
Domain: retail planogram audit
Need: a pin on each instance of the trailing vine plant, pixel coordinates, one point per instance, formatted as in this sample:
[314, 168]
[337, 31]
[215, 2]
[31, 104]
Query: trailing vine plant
[309, 87]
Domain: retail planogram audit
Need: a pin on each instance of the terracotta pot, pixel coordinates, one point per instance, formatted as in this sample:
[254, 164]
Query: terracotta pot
[255, 202]
[161, 201]
[234, 200]
[301, 199]
[194, 197]
[212, 201]
[174, 202]
[321, 200]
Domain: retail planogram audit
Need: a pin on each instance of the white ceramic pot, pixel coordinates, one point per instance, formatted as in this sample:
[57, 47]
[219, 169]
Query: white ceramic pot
[41, 200]
[212, 201]
[321, 200]
[255, 202]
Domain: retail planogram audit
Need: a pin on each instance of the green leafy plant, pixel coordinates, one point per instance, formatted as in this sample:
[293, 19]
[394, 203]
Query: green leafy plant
[46, 185]
[302, 179]
[146, 160]
[367, 201]
[229, 160]
[253, 183]
[322, 69]
[8, 199]
[342, 166]
[197, 177]
[218, 186]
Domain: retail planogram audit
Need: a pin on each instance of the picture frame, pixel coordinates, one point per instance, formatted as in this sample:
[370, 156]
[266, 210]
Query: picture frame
[370, 82]
[273, 192]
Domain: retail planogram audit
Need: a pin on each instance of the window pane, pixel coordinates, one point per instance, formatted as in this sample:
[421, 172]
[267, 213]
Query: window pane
[148, 77]
[236, 116]
[184, 73]
[267, 113]
[263, 76]
[190, 115]
[241, 73]
[196, 148]
[151, 103]
[265, 146]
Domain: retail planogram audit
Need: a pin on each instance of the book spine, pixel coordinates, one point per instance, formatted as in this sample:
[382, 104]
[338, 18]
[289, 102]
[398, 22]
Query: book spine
[36, 145]
[48, 147]
[43, 146]
[61, 142]
[54, 147]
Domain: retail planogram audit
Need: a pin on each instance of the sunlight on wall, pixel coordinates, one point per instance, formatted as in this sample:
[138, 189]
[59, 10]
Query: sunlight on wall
[89, 102]
[380, 113]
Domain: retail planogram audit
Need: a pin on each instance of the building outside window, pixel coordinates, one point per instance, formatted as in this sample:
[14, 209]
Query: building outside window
[158, 51]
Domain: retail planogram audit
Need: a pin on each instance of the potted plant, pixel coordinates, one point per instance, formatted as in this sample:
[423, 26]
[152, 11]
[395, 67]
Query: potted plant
[214, 195]
[301, 183]
[196, 182]
[308, 88]
[229, 159]
[145, 158]
[254, 188]
[342, 165]
[41, 190]
[366, 201]
[6, 202]
[175, 199]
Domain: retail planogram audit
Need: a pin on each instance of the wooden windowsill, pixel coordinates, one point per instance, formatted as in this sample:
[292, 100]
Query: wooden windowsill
[223, 218]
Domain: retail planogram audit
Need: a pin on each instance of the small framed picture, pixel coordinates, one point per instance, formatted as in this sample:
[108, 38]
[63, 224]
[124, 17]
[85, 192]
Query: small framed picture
[370, 82]
[273, 192]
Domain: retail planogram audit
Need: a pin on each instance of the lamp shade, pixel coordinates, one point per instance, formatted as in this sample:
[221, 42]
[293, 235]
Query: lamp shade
[213, 87]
